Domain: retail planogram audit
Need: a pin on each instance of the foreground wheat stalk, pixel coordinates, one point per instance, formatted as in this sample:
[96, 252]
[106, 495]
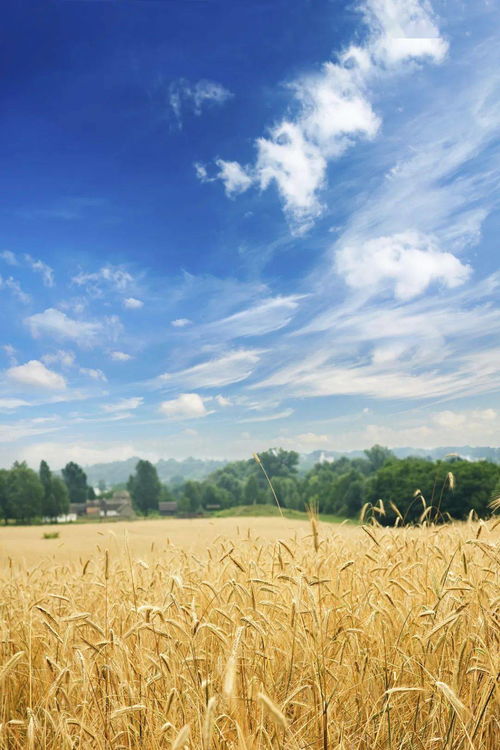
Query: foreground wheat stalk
[388, 640]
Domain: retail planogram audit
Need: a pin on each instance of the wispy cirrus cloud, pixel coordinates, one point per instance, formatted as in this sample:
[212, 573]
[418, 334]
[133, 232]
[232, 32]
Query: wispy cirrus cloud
[333, 109]
[186, 97]
[232, 367]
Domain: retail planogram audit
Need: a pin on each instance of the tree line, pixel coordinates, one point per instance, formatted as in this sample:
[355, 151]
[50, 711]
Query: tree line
[27, 495]
[407, 487]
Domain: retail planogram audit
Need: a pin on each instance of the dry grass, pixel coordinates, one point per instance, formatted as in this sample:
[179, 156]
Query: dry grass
[339, 639]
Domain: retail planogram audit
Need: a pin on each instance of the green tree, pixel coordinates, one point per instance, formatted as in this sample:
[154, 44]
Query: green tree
[76, 482]
[24, 493]
[59, 498]
[45, 475]
[287, 492]
[251, 491]
[5, 508]
[191, 497]
[377, 455]
[145, 487]
[279, 463]
[213, 496]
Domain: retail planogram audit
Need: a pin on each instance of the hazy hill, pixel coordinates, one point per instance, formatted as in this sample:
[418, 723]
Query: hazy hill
[171, 469]
[168, 469]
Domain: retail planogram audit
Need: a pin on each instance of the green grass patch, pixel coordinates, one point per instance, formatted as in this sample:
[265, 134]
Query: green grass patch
[51, 535]
[257, 511]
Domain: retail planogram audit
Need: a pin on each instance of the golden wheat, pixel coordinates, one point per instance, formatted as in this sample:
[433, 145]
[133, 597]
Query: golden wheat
[338, 639]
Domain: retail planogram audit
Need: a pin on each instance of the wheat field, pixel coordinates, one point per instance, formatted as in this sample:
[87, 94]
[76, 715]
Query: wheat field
[268, 635]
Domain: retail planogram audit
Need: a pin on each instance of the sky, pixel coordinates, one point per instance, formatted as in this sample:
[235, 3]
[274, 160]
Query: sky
[232, 226]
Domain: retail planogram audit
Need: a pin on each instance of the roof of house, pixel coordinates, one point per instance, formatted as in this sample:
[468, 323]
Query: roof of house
[167, 505]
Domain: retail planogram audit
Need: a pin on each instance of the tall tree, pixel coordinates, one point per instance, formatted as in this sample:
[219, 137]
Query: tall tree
[45, 475]
[144, 487]
[24, 492]
[58, 500]
[76, 482]
[5, 509]
[377, 455]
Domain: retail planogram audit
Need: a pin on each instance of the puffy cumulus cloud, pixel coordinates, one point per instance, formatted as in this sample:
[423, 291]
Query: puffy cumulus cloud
[333, 110]
[180, 322]
[131, 303]
[408, 262]
[214, 373]
[187, 97]
[34, 374]
[234, 177]
[457, 420]
[120, 356]
[58, 325]
[403, 29]
[185, 406]
[223, 401]
[60, 357]
[125, 404]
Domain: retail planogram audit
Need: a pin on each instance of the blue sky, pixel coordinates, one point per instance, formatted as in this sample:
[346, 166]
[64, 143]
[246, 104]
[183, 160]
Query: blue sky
[231, 226]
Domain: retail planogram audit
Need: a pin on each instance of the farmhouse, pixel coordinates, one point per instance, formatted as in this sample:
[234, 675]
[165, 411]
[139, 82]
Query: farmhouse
[167, 508]
[118, 506]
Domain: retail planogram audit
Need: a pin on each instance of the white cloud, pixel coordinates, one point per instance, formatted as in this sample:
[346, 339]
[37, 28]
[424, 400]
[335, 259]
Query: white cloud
[8, 404]
[10, 352]
[120, 356]
[403, 29]
[229, 368]
[480, 427]
[45, 271]
[268, 417]
[95, 374]
[233, 175]
[59, 454]
[15, 288]
[126, 404]
[131, 303]
[303, 443]
[409, 262]
[457, 420]
[222, 401]
[34, 373]
[9, 257]
[12, 432]
[58, 325]
[180, 322]
[61, 357]
[333, 109]
[185, 406]
[264, 317]
[187, 97]
[114, 277]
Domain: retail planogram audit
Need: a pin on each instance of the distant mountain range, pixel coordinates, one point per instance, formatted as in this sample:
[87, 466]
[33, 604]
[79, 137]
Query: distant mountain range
[468, 452]
[171, 470]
